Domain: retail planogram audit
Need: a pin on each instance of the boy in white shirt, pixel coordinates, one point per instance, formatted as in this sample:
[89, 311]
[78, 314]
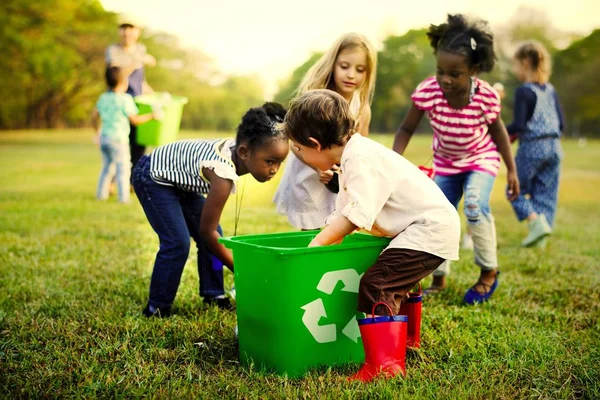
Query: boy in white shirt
[380, 192]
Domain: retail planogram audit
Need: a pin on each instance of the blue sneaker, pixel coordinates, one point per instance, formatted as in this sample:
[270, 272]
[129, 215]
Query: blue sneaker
[473, 297]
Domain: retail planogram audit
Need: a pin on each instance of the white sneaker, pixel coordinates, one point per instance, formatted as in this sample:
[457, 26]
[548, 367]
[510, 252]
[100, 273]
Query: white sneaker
[538, 229]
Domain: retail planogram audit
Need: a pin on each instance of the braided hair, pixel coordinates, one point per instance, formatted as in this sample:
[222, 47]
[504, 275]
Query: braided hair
[472, 39]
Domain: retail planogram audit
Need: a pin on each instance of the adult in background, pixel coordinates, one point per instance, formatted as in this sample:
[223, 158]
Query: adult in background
[131, 56]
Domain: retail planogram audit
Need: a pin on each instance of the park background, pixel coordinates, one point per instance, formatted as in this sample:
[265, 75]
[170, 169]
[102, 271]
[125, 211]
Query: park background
[74, 273]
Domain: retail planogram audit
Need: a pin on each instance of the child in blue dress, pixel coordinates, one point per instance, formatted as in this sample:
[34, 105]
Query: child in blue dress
[538, 123]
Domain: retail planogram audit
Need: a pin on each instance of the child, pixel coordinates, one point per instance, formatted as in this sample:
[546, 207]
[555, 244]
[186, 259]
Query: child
[538, 123]
[171, 184]
[117, 111]
[380, 192]
[348, 68]
[132, 56]
[468, 134]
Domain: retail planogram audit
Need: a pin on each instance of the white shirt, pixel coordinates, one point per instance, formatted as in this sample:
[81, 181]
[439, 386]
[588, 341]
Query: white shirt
[386, 195]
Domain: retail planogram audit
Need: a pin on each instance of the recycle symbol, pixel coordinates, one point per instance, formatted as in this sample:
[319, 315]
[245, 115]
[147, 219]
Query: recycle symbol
[315, 310]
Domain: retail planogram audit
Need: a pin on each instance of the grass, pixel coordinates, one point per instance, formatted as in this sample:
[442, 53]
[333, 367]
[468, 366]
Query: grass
[74, 276]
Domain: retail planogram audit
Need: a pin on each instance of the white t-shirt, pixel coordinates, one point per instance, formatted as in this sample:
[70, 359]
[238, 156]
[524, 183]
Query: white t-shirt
[386, 195]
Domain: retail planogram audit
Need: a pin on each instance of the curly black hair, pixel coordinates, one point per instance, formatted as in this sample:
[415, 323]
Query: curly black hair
[258, 125]
[472, 39]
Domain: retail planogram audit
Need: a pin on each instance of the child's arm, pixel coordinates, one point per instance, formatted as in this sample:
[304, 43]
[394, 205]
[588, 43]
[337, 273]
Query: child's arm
[364, 122]
[407, 128]
[131, 111]
[96, 125]
[141, 119]
[523, 107]
[500, 136]
[220, 189]
[334, 233]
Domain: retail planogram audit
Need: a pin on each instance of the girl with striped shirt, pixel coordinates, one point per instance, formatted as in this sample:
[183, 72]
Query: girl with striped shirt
[468, 138]
[183, 188]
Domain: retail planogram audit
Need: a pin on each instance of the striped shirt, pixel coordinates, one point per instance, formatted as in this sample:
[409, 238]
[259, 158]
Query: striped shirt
[180, 164]
[461, 139]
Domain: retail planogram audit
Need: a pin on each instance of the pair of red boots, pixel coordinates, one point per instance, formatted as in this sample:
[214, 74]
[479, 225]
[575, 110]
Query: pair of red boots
[385, 339]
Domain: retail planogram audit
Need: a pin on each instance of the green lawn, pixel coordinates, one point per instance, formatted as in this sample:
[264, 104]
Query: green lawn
[74, 276]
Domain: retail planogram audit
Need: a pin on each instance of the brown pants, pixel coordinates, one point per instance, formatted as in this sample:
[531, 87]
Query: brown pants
[393, 275]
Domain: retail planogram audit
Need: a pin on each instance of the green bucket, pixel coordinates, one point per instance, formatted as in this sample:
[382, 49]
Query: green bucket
[296, 306]
[157, 133]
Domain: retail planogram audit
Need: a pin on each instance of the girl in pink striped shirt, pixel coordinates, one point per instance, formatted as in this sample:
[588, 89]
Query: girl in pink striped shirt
[468, 138]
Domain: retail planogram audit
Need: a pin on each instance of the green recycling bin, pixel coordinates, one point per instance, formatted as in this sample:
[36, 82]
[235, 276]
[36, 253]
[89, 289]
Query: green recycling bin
[296, 306]
[165, 130]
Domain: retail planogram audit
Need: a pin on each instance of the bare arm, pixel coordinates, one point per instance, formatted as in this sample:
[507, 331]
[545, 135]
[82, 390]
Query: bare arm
[407, 128]
[211, 214]
[140, 119]
[334, 233]
[364, 122]
[96, 124]
[500, 137]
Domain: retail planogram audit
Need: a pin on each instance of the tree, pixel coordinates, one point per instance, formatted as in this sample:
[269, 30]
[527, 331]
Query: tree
[53, 56]
[576, 80]
[290, 86]
[402, 64]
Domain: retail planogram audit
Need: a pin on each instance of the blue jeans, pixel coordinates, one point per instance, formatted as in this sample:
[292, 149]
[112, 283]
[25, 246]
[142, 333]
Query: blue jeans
[114, 153]
[476, 187]
[175, 217]
[538, 169]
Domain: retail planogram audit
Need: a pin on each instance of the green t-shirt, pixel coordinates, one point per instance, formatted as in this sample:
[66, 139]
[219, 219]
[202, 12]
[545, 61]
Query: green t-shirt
[115, 109]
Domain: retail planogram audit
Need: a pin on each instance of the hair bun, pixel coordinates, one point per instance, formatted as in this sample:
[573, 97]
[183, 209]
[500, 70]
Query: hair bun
[275, 111]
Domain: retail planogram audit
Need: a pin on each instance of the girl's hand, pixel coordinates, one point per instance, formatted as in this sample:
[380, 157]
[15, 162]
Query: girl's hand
[513, 189]
[325, 176]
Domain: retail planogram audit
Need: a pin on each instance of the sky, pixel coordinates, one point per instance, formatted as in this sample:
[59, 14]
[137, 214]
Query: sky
[270, 38]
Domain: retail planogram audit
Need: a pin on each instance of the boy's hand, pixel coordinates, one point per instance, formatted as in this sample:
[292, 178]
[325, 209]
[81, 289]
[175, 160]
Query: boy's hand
[513, 189]
[325, 176]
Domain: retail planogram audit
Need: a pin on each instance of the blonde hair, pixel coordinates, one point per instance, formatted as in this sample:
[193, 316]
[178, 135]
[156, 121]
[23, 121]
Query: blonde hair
[539, 59]
[320, 75]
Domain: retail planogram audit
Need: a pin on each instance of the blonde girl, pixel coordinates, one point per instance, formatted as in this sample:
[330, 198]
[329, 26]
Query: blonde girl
[347, 68]
[538, 123]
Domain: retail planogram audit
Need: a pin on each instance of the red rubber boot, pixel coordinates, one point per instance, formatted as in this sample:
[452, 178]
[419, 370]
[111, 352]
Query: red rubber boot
[412, 308]
[384, 341]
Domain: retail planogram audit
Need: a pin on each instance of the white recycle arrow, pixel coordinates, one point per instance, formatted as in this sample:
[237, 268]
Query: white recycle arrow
[352, 330]
[329, 280]
[313, 313]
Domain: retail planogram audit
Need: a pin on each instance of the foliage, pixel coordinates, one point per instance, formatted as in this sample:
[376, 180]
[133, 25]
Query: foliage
[402, 64]
[52, 71]
[53, 53]
[289, 87]
[576, 79]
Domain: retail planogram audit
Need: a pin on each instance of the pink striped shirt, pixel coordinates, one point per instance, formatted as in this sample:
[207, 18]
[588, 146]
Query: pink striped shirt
[461, 139]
